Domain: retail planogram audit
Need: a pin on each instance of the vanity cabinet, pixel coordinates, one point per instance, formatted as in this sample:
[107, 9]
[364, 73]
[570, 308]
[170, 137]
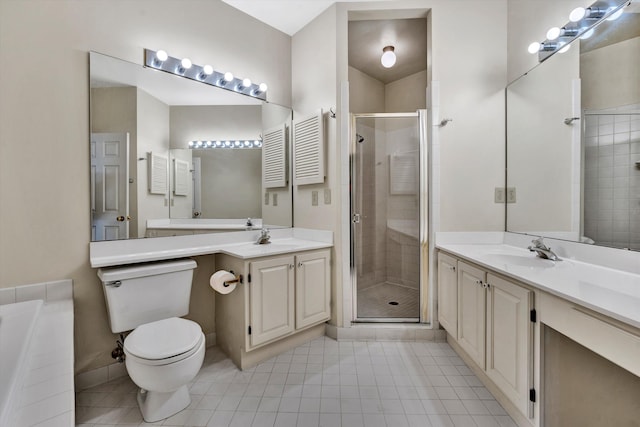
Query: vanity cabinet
[494, 327]
[448, 293]
[282, 301]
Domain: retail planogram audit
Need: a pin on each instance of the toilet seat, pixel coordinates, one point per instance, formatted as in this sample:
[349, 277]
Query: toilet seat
[164, 341]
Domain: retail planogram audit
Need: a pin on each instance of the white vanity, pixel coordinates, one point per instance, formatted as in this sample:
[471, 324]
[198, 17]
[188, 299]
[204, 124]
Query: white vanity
[283, 299]
[495, 296]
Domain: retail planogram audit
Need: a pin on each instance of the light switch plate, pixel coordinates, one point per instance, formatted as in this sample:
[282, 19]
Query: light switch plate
[327, 196]
[511, 194]
[266, 198]
[314, 198]
[499, 195]
[275, 199]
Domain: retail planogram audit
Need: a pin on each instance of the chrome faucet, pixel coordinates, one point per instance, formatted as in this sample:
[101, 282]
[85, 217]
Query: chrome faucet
[542, 250]
[264, 237]
[249, 223]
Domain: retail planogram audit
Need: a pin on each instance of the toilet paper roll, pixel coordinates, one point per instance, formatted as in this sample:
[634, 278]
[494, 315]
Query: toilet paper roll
[218, 280]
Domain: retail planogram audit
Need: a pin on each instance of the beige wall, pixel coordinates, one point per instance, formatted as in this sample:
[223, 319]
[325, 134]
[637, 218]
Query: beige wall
[231, 178]
[153, 137]
[406, 95]
[46, 100]
[366, 94]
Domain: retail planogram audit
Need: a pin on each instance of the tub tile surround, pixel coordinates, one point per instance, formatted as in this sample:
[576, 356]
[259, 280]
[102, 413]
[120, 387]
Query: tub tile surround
[43, 395]
[237, 244]
[602, 279]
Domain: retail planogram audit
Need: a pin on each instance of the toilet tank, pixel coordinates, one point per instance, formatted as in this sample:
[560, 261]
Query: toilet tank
[142, 293]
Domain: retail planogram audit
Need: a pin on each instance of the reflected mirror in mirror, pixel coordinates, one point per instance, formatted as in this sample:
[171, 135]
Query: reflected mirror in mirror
[142, 121]
[573, 140]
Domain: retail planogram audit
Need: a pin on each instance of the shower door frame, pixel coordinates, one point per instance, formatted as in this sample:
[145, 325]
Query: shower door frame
[423, 203]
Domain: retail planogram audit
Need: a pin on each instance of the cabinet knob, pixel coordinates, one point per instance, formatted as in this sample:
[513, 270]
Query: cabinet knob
[300, 265]
[291, 266]
[479, 282]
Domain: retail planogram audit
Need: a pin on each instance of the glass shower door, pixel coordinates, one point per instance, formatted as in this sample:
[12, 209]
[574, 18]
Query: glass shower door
[386, 190]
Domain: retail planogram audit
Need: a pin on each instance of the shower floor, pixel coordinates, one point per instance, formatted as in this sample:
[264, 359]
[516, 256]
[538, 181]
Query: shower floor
[373, 301]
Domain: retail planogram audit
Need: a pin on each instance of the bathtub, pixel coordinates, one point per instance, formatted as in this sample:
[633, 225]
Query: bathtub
[36, 355]
[17, 324]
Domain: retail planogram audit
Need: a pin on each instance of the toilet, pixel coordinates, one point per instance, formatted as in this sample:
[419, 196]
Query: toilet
[163, 352]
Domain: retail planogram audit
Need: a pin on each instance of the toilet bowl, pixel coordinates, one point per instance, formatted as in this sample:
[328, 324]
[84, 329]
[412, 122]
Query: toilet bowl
[163, 352]
[162, 357]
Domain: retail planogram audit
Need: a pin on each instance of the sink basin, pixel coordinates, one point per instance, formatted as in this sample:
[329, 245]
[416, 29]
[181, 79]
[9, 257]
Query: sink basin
[519, 260]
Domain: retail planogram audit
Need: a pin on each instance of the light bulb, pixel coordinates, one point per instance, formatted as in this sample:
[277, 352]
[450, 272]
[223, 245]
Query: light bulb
[247, 143]
[246, 82]
[228, 77]
[191, 143]
[186, 63]
[218, 143]
[228, 143]
[587, 34]
[388, 58]
[615, 15]
[553, 33]
[564, 47]
[161, 55]
[257, 143]
[238, 143]
[199, 144]
[263, 87]
[208, 143]
[207, 70]
[577, 14]
[534, 47]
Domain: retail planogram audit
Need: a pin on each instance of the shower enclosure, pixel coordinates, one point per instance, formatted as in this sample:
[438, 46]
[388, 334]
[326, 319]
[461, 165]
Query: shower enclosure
[388, 208]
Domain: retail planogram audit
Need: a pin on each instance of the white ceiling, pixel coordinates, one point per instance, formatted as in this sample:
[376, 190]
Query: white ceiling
[288, 16]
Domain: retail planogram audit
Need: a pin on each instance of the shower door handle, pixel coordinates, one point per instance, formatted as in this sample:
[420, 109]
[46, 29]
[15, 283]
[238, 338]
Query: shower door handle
[356, 218]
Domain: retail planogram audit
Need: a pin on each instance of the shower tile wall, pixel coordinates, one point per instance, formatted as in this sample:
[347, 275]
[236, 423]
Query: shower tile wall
[612, 179]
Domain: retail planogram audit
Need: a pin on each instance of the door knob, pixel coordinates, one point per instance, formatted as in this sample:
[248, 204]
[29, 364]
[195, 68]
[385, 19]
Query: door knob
[120, 218]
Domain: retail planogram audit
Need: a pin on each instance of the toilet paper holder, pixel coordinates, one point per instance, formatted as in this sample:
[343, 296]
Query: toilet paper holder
[238, 279]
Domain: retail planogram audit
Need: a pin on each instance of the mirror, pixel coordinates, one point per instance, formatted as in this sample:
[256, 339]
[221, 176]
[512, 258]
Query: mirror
[146, 180]
[573, 140]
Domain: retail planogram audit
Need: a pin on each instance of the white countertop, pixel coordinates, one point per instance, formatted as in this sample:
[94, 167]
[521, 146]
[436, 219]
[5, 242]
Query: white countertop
[612, 292]
[239, 244]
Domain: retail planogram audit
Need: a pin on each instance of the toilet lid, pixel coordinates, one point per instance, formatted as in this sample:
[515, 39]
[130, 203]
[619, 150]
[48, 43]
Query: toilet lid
[163, 339]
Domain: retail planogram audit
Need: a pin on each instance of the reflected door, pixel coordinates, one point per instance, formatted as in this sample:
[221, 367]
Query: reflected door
[109, 186]
[386, 215]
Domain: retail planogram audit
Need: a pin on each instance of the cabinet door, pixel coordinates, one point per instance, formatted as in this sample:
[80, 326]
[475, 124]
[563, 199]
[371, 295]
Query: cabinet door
[471, 311]
[271, 303]
[448, 294]
[509, 339]
[313, 290]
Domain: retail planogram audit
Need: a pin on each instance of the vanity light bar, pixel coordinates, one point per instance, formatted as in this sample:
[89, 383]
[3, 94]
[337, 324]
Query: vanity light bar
[237, 144]
[159, 60]
[581, 24]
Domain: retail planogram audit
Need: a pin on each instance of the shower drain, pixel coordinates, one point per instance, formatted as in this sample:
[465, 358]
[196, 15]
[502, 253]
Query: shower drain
[393, 303]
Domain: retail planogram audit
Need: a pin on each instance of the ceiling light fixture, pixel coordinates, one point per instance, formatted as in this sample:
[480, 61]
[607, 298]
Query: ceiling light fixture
[388, 58]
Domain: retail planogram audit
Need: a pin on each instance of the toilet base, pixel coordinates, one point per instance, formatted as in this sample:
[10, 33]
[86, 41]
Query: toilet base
[156, 406]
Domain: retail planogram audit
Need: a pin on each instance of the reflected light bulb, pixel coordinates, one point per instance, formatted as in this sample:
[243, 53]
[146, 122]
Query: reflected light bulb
[587, 34]
[565, 47]
[553, 33]
[388, 58]
[161, 55]
[534, 47]
[228, 77]
[186, 63]
[615, 15]
[577, 14]
[246, 82]
[207, 69]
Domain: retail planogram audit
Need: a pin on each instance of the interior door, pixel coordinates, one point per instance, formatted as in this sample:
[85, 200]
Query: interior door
[109, 186]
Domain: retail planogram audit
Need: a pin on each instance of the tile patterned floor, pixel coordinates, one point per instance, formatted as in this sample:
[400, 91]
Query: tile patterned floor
[321, 383]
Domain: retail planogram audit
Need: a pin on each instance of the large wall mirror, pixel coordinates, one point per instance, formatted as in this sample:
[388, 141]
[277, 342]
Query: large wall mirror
[573, 140]
[147, 180]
